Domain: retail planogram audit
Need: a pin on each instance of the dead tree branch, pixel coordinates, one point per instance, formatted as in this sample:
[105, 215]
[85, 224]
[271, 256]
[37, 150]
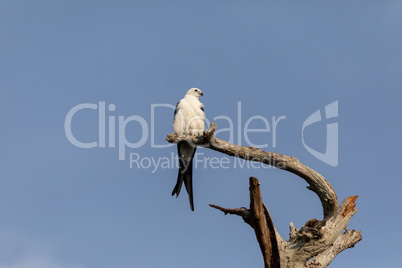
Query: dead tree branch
[259, 219]
[317, 183]
[317, 243]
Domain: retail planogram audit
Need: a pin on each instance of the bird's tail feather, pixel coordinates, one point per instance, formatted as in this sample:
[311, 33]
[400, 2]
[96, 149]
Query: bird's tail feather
[183, 165]
[185, 170]
[177, 188]
[188, 182]
[185, 175]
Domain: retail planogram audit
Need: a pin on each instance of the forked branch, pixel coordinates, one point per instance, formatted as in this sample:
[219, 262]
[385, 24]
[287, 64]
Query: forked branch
[259, 219]
[315, 244]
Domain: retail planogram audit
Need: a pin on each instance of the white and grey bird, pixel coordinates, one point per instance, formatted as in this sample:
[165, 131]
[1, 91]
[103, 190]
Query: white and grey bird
[188, 119]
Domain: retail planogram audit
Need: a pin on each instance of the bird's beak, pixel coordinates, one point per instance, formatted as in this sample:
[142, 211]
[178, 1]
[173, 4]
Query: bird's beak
[202, 94]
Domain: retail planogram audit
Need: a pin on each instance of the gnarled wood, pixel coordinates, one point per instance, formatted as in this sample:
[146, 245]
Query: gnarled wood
[318, 242]
[317, 183]
[259, 219]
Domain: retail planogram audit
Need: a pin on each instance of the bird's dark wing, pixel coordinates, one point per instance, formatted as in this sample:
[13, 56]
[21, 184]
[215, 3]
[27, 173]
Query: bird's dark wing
[176, 110]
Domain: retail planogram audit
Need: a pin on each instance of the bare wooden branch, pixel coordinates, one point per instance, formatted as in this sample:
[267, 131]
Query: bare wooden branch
[315, 238]
[317, 183]
[344, 241]
[318, 242]
[263, 226]
[259, 219]
[242, 212]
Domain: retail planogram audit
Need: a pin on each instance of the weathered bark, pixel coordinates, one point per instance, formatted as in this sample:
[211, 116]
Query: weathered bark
[317, 183]
[317, 243]
[259, 219]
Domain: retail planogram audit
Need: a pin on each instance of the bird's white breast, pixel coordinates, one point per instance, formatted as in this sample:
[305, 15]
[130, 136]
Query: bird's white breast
[190, 118]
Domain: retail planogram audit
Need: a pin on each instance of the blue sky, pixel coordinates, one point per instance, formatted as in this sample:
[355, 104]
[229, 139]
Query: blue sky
[67, 207]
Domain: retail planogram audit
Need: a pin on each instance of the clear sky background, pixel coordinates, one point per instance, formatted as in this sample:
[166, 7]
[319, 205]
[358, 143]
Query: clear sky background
[66, 207]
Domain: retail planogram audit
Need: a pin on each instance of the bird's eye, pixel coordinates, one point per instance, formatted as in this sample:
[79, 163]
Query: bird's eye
[196, 90]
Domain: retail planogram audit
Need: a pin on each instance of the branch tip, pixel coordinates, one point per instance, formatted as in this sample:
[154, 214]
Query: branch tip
[350, 206]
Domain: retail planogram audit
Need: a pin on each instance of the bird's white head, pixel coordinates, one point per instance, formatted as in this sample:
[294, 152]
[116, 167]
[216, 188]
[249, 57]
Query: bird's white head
[195, 92]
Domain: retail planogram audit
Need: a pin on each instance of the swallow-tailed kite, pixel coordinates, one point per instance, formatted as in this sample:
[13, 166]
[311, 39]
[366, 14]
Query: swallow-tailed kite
[188, 120]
